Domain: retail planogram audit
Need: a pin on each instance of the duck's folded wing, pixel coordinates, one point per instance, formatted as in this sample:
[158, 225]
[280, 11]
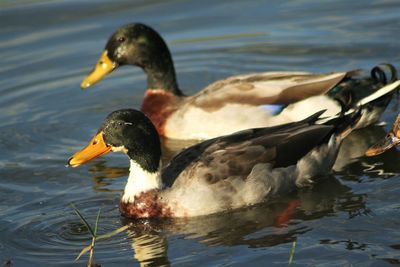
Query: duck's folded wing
[266, 88]
[235, 155]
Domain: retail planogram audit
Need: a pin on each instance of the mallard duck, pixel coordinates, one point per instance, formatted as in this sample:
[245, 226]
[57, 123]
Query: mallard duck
[235, 103]
[219, 174]
[390, 140]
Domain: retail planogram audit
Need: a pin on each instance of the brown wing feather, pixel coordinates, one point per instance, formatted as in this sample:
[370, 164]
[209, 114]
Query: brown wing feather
[235, 155]
[265, 88]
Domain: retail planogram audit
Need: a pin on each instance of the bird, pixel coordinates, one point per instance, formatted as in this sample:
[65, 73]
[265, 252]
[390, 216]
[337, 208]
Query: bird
[237, 102]
[391, 139]
[219, 174]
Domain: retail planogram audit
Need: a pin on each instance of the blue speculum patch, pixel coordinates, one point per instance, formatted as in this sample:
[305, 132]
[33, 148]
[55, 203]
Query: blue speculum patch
[274, 108]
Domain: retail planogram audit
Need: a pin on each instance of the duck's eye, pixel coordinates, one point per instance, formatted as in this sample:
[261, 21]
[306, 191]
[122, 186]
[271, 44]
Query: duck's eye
[121, 39]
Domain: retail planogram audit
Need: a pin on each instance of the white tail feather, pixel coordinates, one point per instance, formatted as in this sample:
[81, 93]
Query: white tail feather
[381, 92]
[368, 99]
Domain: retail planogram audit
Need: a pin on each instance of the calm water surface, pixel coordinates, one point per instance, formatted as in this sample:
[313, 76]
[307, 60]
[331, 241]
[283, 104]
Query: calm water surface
[350, 218]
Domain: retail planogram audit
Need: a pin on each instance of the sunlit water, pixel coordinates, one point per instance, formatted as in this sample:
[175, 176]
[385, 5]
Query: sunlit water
[349, 218]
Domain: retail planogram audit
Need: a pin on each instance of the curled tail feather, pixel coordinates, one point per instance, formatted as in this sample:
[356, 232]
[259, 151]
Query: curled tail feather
[380, 73]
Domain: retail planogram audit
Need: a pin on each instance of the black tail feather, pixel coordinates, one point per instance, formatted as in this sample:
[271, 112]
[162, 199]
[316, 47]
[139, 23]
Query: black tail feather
[353, 89]
[381, 72]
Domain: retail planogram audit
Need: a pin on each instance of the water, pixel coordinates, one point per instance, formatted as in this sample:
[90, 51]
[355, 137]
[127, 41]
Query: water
[46, 47]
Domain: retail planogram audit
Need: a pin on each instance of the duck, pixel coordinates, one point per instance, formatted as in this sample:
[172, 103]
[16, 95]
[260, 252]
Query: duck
[392, 139]
[245, 101]
[220, 174]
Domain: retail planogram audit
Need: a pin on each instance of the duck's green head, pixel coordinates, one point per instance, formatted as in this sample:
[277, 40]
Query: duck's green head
[128, 131]
[134, 44]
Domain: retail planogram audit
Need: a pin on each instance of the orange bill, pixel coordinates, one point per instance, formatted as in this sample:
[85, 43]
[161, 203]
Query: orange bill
[103, 66]
[96, 148]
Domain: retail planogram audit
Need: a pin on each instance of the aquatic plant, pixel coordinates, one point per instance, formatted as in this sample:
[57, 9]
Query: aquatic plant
[93, 233]
[292, 251]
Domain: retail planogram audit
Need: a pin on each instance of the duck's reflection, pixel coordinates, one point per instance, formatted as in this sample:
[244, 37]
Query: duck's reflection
[382, 166]
[150, 249]
[102, 176]
[357, 168]
[265, 225]
[356, 144]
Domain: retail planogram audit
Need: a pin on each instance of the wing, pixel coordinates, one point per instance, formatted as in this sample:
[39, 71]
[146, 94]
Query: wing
[235, 155]
[266, 88]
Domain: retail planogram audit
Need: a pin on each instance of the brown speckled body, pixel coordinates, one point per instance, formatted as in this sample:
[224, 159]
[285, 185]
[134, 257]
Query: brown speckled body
[158, 105]
[146, 205]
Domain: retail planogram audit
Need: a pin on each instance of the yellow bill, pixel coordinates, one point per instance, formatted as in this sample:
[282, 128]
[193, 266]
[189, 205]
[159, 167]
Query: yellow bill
[103, 66]
[96, 148]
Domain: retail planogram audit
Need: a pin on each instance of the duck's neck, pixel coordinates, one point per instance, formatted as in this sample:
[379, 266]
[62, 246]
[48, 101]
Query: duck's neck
[140, 181]
[161, 74]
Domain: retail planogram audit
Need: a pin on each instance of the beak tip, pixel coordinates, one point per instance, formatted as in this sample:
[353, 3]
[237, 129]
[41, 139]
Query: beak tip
[85, 85]
[69, 164]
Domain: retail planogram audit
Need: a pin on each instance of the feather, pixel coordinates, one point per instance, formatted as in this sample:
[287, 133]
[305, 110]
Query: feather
[265, 88]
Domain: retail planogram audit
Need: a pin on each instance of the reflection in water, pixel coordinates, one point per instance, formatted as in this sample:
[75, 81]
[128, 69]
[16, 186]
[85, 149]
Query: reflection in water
[170, 147]
[356, 144]
[150, 249]
[103, 175]
[382, 166]
[99, 170]
[264, 225]
[376, 168]
[349, 244]
[353, 163]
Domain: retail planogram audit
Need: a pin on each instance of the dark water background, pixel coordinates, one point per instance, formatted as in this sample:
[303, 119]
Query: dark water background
[351, 218]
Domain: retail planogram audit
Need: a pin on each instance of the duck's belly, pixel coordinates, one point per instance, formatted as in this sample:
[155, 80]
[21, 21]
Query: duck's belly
[196, 123]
